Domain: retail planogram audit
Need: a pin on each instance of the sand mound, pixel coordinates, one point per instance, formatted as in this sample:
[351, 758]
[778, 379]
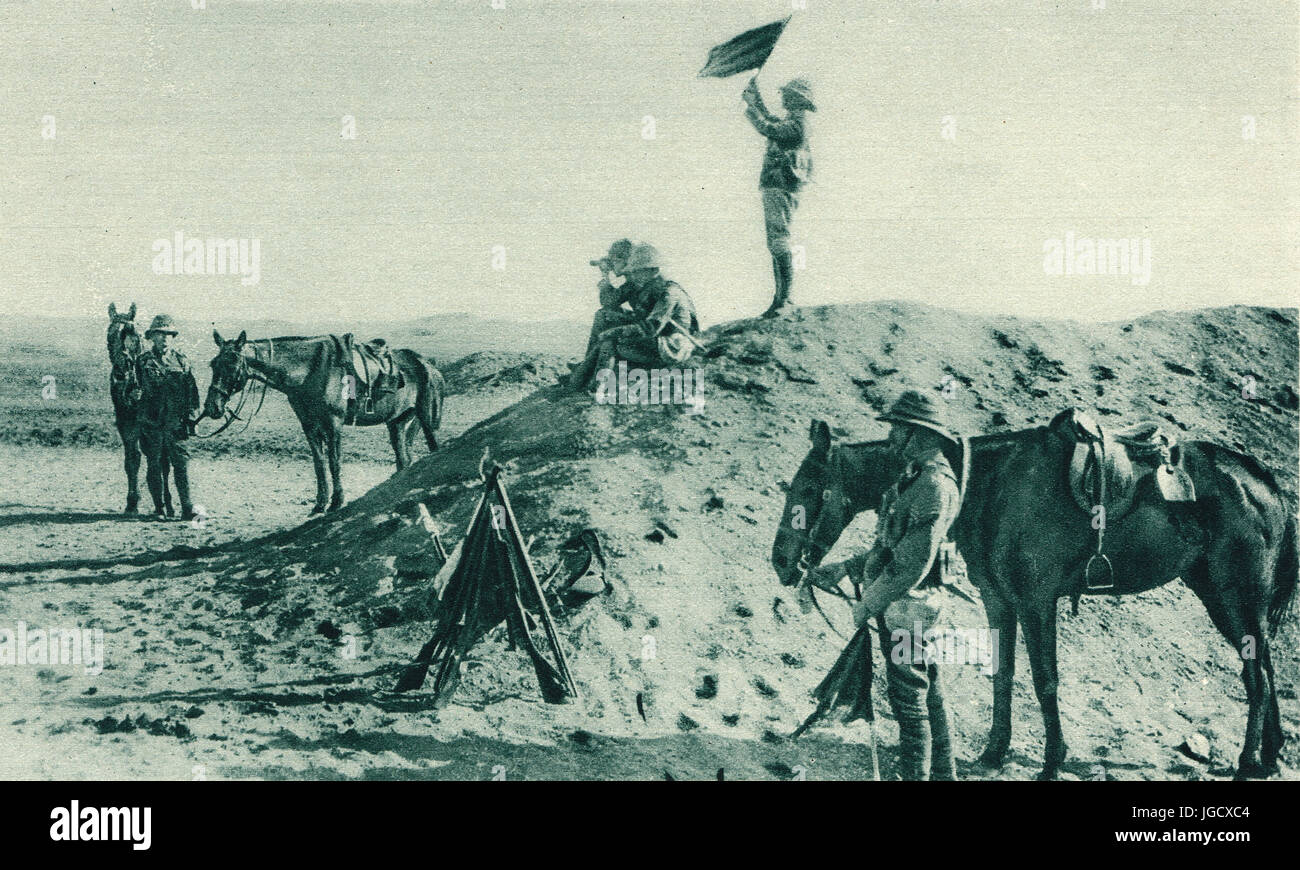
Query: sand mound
[697, 634]
[496, 370]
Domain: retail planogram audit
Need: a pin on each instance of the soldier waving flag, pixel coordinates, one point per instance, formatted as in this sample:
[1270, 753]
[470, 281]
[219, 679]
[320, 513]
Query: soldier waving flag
[787, 162]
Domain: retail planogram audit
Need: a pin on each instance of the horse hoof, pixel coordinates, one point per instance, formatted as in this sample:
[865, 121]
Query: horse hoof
[992, 758]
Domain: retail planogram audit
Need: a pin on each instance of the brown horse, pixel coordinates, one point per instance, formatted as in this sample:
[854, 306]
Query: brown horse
[124, 388]
[310, 372]
[1026, 544]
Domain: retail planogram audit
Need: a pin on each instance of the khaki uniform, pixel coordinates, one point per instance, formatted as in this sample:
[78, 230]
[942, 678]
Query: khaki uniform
[914, 518]
[653, 338]
[611, 312]
[169, 396]
[787, 167]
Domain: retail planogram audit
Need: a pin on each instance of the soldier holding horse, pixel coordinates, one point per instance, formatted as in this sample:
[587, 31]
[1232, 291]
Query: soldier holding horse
[1027, 544]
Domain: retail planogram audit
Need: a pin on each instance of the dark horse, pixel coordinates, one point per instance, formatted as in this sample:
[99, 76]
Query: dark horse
[1026, 544]
[124, 388]
[310, 372]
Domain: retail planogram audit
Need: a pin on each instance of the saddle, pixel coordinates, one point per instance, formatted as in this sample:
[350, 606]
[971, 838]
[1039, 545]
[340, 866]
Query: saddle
[373, 370]
[1105, 471]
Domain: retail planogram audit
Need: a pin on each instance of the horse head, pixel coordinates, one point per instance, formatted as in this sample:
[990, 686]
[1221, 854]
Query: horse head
[229, 374]
[816, 509]
[123, 339]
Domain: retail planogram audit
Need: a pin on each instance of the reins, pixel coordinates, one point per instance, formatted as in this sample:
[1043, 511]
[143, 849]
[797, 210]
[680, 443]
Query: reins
[810, 537]
[232, 416]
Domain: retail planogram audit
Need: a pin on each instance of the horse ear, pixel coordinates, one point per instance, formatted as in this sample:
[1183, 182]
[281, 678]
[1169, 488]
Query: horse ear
[216, 336]
[131, 314]
[112, 309]
[243, 337]
[820, 434]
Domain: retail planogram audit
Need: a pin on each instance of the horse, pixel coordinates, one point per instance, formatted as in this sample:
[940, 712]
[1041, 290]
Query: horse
[124, 389]
[310, 372]
[1027, 544]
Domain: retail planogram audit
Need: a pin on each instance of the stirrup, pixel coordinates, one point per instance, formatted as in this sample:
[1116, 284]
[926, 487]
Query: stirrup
[1108, 586]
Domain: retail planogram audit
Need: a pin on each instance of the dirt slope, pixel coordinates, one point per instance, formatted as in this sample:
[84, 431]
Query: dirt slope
[697, 626]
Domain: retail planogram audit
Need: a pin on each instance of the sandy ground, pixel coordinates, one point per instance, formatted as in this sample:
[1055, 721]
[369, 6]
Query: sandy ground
[256, 647]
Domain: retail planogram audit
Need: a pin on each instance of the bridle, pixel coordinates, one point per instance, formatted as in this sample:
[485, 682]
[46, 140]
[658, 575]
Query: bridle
[118, 355]
[123, 377]
[235, 384]
[813, 542]
[813, 545]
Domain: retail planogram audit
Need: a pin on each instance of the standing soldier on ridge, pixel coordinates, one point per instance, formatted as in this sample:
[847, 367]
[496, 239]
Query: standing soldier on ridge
[897, 580]
[169, 396]
[787, 167]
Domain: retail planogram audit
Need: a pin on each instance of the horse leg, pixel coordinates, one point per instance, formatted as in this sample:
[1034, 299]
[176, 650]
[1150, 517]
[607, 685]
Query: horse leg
[428, 405]
[1244, 628]
[316, 441]
[1002, 621]
[408, 439]
[398, 437]
[426, 411]
[334, 449]
[1040, 639]
[1271, 747]
[131, 447]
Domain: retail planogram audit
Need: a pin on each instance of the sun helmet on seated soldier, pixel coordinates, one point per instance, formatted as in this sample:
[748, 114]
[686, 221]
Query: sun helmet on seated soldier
[618, 252]
[644, 257]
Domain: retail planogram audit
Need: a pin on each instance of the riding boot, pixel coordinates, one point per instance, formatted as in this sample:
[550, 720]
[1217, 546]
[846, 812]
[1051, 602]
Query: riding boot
[180, 458]
[581, 375]
[914, 740]
[581, 379]
[908, 685]
[783, 273]
[942, 766]
[787, 273]
[153, 477]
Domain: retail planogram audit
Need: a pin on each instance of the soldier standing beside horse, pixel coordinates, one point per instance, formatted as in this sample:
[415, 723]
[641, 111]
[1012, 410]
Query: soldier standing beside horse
[168, 397]
[124, 389]
[914, 518]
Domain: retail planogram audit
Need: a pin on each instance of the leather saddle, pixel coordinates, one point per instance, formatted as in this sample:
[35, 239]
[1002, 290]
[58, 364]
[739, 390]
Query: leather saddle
[1106, 469]
[373, 369]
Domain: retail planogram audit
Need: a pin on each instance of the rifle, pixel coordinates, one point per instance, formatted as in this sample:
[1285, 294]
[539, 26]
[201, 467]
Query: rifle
[683, 330]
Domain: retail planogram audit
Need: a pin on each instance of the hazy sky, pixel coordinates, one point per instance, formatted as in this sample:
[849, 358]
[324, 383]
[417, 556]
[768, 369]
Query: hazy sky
[524, 127]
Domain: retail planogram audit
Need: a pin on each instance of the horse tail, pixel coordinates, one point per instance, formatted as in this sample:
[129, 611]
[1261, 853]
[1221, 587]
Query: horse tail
[1285, 576]
[429, 396]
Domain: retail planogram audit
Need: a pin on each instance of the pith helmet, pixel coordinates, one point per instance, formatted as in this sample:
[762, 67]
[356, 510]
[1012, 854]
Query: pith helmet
[919, 409]
[162, 323]
[617, 251]
[799, 91]
[644, 257]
